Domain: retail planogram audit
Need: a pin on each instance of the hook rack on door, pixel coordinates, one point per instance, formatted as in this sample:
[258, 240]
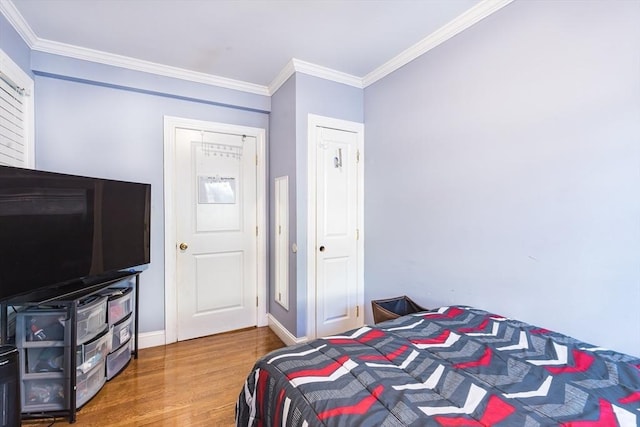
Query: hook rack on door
[337, 161]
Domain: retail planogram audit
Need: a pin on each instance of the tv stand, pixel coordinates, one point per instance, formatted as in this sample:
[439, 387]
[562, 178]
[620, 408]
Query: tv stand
[79, 347]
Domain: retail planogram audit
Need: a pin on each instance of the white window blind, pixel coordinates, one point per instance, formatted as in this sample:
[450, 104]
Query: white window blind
[16, 115]
[12, 138]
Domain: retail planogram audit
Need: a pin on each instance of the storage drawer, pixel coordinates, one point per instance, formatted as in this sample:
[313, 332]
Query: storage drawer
[88, 384]
[44, 359]
[11, 327]
[45, 394]
[121, 332]
[91, 318]
[90, 354]
[40, 325]
[120, 304]
[117, 360]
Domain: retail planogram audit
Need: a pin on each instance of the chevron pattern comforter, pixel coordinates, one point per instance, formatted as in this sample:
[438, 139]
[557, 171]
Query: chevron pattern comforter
[454, 366]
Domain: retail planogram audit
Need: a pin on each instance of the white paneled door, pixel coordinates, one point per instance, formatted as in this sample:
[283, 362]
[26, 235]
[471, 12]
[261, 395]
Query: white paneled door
[337, 231]
[216, 227]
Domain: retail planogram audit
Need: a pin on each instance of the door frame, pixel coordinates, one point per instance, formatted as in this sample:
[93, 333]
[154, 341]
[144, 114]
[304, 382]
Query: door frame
[313, 122]
[170, 242]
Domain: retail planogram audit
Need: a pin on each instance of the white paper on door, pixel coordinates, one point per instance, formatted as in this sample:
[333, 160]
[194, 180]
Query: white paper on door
[216, 190]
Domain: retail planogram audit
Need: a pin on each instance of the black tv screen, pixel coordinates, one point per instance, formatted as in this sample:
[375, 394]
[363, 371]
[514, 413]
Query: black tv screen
[57, 229]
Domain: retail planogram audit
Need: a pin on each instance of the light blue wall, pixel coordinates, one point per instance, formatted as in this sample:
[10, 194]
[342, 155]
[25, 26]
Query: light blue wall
[503, 171]
[300, 96]
[112, 127]
[282, 162]
[325, 98]
[13, 45]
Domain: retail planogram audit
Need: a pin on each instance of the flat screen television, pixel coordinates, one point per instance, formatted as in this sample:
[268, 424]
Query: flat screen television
[60, 230]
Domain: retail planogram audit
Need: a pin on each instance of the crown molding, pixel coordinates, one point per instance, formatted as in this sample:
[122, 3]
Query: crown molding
[299, 66]
[444, 33]
[15, 18]
[480, 11]
[327, 73]
[48, 46]
[282, 77]
[8, 9]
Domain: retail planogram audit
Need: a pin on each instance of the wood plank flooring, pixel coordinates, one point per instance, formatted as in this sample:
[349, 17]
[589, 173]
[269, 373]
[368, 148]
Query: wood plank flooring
[190, 383]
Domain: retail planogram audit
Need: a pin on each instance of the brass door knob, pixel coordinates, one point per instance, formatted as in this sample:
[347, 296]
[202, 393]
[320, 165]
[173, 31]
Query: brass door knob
[183, 246]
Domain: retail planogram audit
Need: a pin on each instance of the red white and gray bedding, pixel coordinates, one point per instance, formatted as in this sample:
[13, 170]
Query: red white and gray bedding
[454, 366]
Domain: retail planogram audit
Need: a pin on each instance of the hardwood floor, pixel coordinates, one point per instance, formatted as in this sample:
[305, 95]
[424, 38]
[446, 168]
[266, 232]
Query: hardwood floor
[190, 383]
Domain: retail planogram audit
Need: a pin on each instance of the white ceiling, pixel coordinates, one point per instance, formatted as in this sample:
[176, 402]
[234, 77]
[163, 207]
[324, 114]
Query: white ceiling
[245, 40]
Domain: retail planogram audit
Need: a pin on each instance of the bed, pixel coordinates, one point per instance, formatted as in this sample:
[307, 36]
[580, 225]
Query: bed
[452, 366]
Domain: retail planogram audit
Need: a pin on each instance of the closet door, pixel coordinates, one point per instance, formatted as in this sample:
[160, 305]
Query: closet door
[338, 249]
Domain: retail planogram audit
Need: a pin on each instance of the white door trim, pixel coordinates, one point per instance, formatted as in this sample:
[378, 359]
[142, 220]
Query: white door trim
[313, 122]
[170, 280]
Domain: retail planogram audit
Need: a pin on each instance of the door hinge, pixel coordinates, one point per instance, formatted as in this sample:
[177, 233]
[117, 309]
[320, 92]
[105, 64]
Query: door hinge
[279, 229]
[357, 311]
[357, 234]
[279, 296]
[256, 160]
[358, 156]
[256, 231]
[256, 301]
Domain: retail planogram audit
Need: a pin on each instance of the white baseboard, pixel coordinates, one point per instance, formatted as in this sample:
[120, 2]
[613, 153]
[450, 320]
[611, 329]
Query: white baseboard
[157, 338]
[287, 337]
[151, 339]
